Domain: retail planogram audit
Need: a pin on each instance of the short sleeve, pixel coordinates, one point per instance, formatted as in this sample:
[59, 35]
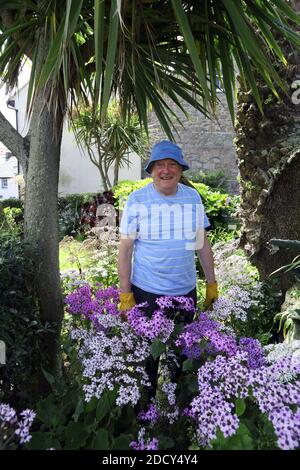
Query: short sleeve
[129, 220]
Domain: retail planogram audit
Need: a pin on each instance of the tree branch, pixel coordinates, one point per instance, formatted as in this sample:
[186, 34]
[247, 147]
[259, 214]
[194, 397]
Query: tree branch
[18, 145]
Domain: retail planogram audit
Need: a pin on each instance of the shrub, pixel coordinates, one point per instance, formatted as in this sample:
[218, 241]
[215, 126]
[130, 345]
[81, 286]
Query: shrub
[214, 179]
[218, 206]
[20, 327]
[11, 202]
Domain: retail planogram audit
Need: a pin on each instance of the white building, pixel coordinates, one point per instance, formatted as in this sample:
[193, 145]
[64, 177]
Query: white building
[8, 173]
[8, 163]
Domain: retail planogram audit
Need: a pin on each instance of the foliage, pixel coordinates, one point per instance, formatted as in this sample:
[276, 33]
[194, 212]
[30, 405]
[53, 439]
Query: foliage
[11, 202]
[217, 205]
[87, 35]
[233, 270]
[69, 208]
[66, 422]
[94, 260]
[215, 179]
[294, 266]
[20, 326]
[222, 398]
[109, 142]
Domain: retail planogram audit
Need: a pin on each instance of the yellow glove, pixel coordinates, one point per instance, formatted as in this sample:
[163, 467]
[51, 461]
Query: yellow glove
[211, 295]
[127, 301]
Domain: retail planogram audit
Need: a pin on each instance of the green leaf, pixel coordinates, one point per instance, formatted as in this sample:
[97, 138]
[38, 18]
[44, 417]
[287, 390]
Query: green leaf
[122, 442]
[240, 406]
[157, 348]
[79, 409]
[49, 413]
[41, 441]
[75, 435]
[187, 365]
[101, 440]
[91, 405]
[190, 42]
[110, 56]
[49, 377]
[241, 440]
[103, 407]
[99, 43]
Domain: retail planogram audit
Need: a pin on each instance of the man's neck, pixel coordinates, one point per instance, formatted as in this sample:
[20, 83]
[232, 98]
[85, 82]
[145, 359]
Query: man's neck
[172, 192]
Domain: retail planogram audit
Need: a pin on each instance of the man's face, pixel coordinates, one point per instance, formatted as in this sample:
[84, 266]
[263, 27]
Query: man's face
[166, 174]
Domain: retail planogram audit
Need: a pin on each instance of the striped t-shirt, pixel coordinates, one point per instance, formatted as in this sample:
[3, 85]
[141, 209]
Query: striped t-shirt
[164, 229]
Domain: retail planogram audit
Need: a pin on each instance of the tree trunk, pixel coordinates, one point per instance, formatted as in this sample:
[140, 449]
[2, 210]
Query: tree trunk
[41, 227]
[116, 172]
[41, 221]
[268, 151]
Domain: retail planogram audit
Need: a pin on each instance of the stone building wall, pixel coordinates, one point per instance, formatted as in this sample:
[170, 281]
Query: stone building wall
[207, 143]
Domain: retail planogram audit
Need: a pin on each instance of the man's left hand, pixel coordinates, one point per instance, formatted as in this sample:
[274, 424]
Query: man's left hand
[212, 294]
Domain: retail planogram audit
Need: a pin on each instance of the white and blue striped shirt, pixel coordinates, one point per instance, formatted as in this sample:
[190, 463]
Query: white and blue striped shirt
[164, 229]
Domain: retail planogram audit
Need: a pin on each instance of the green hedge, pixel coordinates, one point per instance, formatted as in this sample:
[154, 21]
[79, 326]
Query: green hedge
[11, 202]
[219, 207]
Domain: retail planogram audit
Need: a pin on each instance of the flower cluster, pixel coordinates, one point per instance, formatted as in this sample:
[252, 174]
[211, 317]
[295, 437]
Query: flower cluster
[178, 303]
[234, 304]
[158, 326]
[232, 267]
[224, 380]
[112, 357]
[151, 415]
[92, 306]
[14, 430]
[205, 335]
[281, 350]
[142, 444]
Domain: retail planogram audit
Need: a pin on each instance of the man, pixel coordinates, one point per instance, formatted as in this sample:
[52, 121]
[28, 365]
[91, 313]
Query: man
[163, 224]
[146, 274]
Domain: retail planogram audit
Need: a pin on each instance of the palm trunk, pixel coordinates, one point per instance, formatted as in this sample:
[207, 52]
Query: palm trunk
[41, 226]
[268, 150]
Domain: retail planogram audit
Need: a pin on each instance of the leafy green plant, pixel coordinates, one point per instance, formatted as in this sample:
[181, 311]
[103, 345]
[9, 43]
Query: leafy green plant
[217, 205]
[214, 179]
[109, 142]
[20, 326]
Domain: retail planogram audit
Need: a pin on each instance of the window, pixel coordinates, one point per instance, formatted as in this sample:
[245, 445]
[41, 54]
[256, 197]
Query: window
[4, 183]
[7, 155]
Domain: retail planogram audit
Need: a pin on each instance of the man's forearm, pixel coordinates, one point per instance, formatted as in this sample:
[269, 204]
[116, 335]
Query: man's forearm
[124, 270]
[206, 259]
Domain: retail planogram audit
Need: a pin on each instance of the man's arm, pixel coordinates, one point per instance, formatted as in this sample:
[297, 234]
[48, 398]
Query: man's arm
[124, 263]
[206, 259]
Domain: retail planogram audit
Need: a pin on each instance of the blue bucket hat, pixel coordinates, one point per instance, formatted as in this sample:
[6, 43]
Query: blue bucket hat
[166, 149]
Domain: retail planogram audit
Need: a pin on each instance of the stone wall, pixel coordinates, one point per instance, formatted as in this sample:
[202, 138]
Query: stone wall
[207, 143]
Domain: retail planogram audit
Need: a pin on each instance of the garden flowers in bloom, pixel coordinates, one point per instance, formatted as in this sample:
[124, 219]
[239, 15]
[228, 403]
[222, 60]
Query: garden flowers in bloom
[238, 382]
[14, 430]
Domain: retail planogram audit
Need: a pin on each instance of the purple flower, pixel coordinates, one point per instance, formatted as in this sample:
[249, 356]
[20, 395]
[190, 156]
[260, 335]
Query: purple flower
[142, 444]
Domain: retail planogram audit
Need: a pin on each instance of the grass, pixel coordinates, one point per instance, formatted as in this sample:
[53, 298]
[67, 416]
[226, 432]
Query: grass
[73, 256]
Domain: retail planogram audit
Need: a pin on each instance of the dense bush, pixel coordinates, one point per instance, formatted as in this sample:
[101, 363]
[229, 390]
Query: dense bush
[214, 179]
[219, 207]
[11, 202]
[20, 327]
[69, 209]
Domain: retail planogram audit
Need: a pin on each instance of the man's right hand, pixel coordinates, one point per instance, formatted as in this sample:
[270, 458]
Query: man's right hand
[127, 301]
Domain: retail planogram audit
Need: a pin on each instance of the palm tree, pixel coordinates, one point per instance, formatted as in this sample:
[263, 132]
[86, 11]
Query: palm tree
[140, 51]
[268, 150]
[109, 141]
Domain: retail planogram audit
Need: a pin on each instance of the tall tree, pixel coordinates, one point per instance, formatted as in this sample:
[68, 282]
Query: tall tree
[140, 51]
